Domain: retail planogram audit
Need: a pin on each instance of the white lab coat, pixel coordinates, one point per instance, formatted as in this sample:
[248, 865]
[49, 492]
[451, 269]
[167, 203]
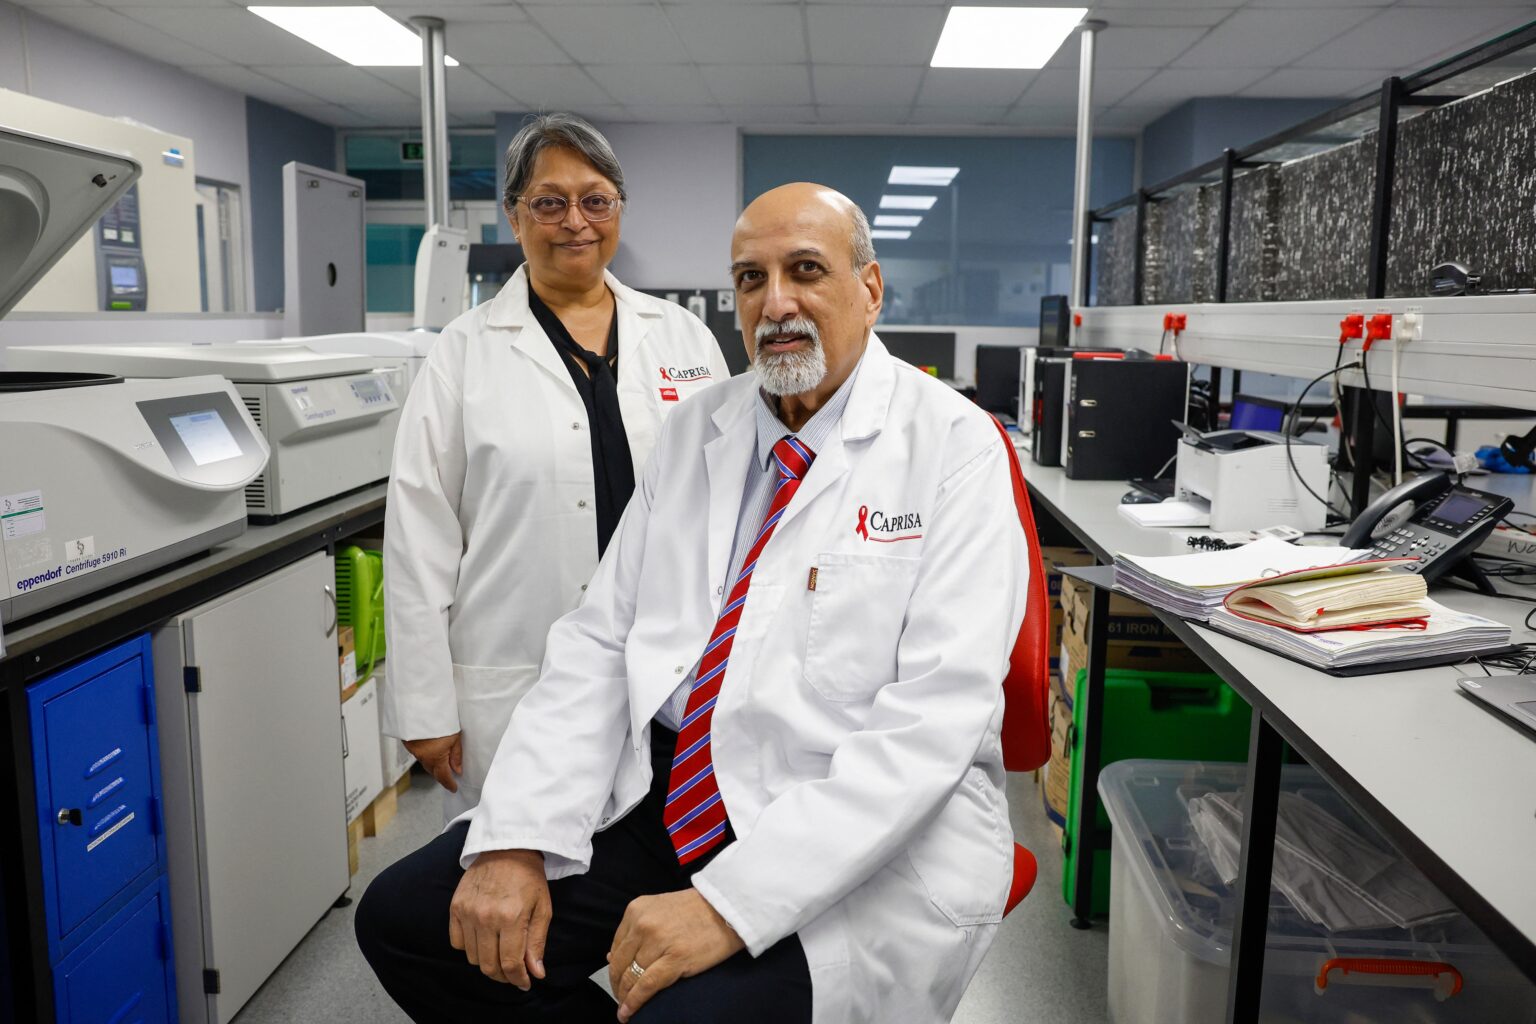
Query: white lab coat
[490, 527]
[856, 739]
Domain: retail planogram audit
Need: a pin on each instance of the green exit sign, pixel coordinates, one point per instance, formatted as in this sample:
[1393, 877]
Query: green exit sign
[412, 152]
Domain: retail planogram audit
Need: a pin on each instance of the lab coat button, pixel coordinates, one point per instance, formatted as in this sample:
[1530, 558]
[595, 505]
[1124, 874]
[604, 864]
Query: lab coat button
[582, 503]
[575, 426]
[678, 670]
[583, 586]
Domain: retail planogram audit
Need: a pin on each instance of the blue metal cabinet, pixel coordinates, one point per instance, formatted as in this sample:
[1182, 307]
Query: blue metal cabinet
[121, 973]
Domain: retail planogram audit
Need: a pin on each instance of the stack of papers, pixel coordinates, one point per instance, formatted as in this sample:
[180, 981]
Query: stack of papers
[1194, 586]
[1442, 632]
[1335, 598]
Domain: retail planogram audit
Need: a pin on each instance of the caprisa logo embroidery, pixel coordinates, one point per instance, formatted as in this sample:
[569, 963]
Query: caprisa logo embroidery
[884, 528]
[672, 373]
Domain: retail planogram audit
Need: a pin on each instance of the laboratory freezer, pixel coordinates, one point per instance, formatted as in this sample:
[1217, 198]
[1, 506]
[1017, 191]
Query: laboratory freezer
[250, 736]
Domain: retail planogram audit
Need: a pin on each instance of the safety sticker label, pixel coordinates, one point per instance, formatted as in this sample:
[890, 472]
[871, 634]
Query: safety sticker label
[79, 548]
[22, 515]
[109, 833]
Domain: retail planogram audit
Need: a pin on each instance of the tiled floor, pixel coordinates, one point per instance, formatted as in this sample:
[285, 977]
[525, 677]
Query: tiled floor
[1039, 969]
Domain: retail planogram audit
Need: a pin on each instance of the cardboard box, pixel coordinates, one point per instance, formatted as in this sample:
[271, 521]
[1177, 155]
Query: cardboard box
[1058, 770]
[360, 754]
[1138, 639]
[392, 753]
[1053, 558]
[346, 651]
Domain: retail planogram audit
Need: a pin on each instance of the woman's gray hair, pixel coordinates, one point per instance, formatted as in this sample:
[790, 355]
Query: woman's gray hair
[565, 130]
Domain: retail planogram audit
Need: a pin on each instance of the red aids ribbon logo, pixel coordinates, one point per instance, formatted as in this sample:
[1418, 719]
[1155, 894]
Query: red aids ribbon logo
[894, 526]
[664, 376]
[863, 528]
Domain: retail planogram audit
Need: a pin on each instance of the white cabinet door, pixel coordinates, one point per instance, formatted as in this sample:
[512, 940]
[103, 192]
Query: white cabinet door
[267, 800]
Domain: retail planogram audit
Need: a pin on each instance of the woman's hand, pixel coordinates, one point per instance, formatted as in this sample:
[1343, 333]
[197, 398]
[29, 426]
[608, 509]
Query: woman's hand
[442, 756]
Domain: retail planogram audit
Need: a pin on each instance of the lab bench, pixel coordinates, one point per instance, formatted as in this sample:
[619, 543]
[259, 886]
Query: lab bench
[95, 804]
[1444, 780]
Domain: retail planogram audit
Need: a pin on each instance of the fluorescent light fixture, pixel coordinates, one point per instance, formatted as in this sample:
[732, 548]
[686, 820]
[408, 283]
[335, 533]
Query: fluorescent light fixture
[1004, 37]
[936, 176]
[907, 202]
[890, 234]
[362, 36]
[891, 220]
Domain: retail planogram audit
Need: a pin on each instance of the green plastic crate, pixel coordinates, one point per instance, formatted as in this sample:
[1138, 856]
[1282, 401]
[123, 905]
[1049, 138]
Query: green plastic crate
[360, 602]
[1165, 715]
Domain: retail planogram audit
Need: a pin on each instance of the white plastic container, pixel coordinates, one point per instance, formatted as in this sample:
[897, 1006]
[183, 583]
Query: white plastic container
[1171, 925]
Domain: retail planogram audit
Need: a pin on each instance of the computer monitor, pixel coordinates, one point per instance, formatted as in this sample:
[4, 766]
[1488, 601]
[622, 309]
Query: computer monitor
[1055, 321]
[923, 349]
[997, 378]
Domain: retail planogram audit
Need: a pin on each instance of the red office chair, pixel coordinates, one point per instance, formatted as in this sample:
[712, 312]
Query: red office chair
[1026, 733]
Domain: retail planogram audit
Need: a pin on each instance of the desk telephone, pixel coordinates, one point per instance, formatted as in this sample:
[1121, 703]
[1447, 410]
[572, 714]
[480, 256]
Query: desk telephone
[1442, 527]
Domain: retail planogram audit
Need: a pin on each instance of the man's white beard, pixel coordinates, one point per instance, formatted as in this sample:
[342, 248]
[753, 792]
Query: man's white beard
[790, 373]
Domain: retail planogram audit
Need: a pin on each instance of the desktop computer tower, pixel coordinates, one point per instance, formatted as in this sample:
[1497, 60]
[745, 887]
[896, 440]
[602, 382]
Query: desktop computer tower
[1121, 415]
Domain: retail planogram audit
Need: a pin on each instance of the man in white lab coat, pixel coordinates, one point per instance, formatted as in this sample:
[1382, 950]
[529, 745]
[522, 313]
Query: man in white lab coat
[760, 775]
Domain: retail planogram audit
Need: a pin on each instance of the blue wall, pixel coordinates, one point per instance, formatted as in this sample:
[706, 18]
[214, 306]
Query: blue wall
[1198, 130]
[275, 136]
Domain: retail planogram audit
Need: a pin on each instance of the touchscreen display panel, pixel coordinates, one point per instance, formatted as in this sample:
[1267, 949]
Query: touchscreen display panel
[1458, 508]
[206, 436]
[125, 279]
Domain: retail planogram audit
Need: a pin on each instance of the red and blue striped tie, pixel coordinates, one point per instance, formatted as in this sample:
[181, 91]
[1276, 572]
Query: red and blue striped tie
[694, 815]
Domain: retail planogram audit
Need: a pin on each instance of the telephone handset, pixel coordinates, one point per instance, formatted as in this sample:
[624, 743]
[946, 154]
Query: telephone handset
[1433, 519]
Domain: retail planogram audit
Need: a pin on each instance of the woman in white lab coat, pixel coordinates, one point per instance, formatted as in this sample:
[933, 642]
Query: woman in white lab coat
[518, 448]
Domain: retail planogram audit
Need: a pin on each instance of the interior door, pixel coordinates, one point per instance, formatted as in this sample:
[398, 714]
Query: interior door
[267, 767]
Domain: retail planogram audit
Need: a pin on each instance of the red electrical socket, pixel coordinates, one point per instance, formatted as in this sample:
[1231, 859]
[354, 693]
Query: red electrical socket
[1377, 328]
[1077, 319]
[1352, 326]
[1175, 322]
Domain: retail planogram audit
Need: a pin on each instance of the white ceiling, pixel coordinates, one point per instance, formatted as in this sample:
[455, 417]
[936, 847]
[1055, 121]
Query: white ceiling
[799, 63]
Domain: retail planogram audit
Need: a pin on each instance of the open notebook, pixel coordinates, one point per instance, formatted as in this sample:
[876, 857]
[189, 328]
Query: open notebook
[1194, 586]
[1346, 596]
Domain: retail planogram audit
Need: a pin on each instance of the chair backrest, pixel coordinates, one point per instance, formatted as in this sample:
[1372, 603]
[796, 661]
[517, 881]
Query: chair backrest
[1026, 690]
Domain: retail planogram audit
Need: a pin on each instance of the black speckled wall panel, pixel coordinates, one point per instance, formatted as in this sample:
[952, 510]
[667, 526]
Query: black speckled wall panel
[1253, 257]
[1465, 190]
[1323, 223]
[1181, 243]
[1114, 283]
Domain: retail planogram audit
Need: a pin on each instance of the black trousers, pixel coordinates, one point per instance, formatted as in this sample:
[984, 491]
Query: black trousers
[402, 928]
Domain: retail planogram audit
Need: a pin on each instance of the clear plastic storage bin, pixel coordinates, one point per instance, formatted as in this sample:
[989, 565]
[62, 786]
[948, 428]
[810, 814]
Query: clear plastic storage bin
[1171, 926]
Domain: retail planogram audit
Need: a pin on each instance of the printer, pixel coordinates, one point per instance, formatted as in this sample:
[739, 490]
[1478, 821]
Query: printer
[1247, 478]
[102, 479]
[329, 420]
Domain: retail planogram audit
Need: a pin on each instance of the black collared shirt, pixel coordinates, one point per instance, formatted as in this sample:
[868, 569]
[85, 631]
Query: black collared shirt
[613, 469]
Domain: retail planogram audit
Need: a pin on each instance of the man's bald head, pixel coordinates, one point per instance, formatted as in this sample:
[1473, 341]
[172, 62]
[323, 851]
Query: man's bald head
[806, 200]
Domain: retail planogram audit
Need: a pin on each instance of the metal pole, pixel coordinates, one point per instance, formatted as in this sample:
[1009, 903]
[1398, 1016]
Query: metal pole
[434, 119]
[1082, 231]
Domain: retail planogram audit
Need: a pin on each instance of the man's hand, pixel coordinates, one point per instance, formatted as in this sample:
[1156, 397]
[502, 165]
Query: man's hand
[500, 916]
[674, 935]
[443, 757]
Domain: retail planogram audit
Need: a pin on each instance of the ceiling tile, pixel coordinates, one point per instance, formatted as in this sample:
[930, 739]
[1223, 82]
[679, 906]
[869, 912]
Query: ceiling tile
[715, 34]
[1178, 84]
[601, 113]
[751, 115]
[1270, 37]
[347, 86]
[1410, 37]
[547, 86]
[1053, 117]
[1292, 83]
[1163, 16]
[480, 42]
[1130, 47]
[462, 84]
[1110, 85]
[880, 86]
[976, 113]
[1128, 117]
[455, 13]
[610, 33]
[127, 34]
[253, 83]
[968, 87]
[760, 83]
[148, 3]
[861, 114]
[401, 114]
[327, 113]
[644, 85]
[849, 34]
[234, 34]
[1110, 7]
[682, 113]
[471, 116]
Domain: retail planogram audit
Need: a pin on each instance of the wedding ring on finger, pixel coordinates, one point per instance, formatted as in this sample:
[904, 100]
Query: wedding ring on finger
[635, 968]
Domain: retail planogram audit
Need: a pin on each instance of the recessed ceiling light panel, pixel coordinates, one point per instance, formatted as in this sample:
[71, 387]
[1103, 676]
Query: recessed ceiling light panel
[907, 202]
[897, 220]
[933, 176]
[364, 37]
[1009, 38]
[890, 234]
